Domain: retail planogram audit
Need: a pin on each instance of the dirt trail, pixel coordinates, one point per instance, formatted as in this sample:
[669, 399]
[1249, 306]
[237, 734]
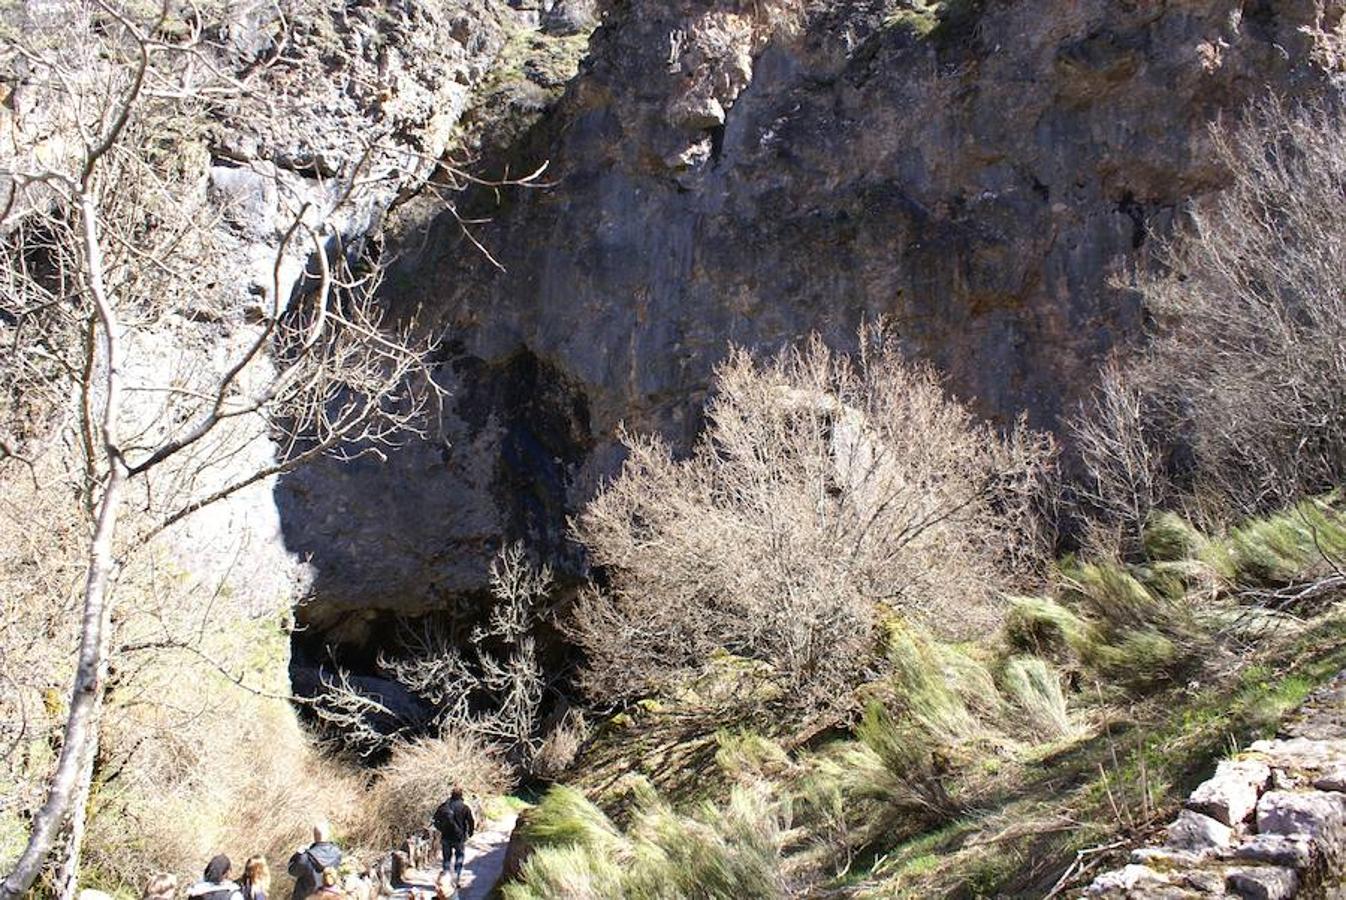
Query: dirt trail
[485, 859]
[485, 862]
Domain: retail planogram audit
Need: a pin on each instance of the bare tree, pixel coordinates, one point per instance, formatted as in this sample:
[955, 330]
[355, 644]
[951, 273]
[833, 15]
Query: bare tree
[825, 493]
[1125, 480]
[107, 251]
[1250, 349]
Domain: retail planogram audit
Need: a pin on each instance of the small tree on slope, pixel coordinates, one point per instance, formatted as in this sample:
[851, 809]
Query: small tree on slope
[106, 252]
[826, 494]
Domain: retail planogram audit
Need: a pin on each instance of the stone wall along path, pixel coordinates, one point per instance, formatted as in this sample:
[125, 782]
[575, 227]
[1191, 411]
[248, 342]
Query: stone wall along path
[1270, 824]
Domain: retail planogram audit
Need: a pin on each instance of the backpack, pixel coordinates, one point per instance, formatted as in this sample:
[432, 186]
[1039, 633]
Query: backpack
[443, 818]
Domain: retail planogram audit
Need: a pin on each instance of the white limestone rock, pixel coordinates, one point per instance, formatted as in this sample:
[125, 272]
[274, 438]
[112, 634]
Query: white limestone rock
[1295, 851]
[1320, 815]
[1196, 832]
[1263, 883]
[1126, 879]
[1230, 795]
[1334, 779]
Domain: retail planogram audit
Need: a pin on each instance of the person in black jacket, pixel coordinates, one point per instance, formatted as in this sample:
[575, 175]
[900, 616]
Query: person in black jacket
[454, 822]
[307, 864]
[215, 883]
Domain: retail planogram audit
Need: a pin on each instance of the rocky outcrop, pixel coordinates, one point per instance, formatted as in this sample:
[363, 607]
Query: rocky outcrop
[1269, 824]
[984, 174]
[358, 100]
[369, 87]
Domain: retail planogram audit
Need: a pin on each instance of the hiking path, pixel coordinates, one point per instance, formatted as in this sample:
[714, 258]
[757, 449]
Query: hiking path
[485, 863]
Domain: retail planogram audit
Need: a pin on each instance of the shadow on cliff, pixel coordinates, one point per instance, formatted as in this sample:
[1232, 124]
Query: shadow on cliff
[413, 533]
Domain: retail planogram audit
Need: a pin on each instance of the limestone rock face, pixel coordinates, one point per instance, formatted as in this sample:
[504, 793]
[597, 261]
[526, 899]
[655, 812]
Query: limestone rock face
[378, 86]
[720, 177]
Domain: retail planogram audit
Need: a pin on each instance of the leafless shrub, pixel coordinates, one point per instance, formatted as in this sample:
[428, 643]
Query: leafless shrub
[826, 492]
[495, 693]
[1125, 480]
[417, 778]
[1250, 350]
[513, 678]
[351, 716]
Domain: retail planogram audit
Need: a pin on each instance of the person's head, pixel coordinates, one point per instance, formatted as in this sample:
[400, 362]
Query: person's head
[161, 887]
[456, 793]
[256, 872]
[322, 831]
[330, 878]
[217, 869]
[444, 886]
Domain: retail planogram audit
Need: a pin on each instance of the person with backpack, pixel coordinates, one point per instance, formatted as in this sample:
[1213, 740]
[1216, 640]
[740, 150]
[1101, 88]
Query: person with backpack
[215, 883]
[453, 820]
[308, 863]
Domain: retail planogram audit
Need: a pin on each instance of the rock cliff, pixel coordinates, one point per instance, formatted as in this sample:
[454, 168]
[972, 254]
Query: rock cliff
[372, 88]
[983, 173]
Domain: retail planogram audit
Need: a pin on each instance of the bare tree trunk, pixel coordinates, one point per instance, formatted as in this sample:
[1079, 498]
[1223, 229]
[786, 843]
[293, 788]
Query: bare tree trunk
[67, 879]
[81, 725]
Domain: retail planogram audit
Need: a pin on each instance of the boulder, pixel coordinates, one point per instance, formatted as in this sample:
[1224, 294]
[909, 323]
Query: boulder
[1166, 857]
[571, 17]
[1295, 851]
[1334, 779]
[1263, 883]
[1205, 881]
[1230, 795]
[1320, 815]
[1126, 880]
[1300, 754]
[1197, 833]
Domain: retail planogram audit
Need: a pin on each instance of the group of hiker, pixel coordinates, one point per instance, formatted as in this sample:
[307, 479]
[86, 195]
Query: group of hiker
[316, 868]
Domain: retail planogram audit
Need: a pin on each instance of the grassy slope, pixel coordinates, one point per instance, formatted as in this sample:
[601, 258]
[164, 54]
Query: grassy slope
[1167, 670]
[1120, 782]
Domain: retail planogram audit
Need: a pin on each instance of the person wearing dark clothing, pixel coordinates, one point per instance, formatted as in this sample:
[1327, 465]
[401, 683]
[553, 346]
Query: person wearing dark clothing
[453, 820]
[215, 883]
[307, 865]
